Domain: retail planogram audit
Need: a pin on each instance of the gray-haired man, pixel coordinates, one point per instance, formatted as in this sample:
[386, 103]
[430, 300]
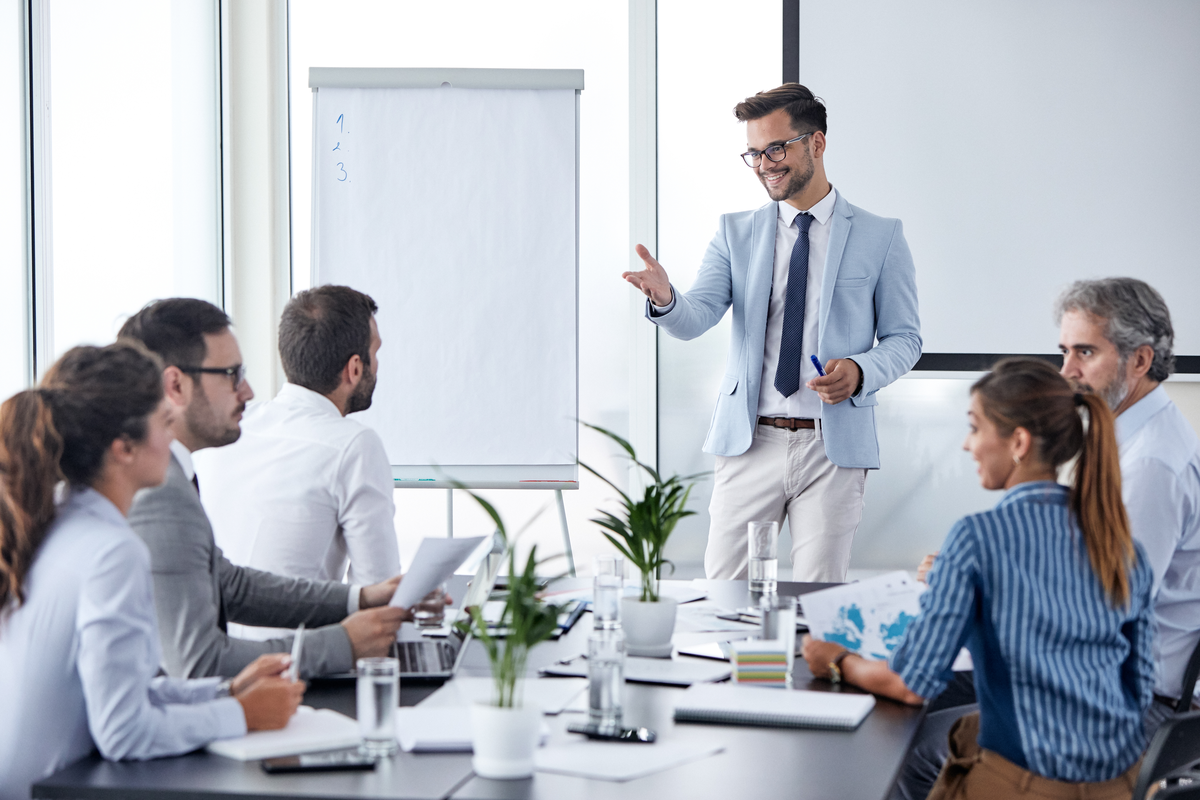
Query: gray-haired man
[1116, 339]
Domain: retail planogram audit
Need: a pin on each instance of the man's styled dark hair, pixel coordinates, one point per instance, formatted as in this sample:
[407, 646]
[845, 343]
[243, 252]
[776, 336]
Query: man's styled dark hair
[174, 329]
[806, 111]
[320, 330]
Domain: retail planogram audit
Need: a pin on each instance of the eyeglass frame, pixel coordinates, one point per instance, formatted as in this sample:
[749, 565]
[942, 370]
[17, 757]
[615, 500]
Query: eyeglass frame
[236, 373]
[759, 154]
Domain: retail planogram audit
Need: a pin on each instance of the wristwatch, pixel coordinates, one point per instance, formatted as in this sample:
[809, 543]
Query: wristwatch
[224, 689]
[835, 667]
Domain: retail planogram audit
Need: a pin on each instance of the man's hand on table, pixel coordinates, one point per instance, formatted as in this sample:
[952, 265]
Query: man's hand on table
[267, 698]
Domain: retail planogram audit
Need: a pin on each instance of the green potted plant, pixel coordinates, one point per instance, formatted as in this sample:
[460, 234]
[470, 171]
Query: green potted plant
[640, 533]
[505, 731]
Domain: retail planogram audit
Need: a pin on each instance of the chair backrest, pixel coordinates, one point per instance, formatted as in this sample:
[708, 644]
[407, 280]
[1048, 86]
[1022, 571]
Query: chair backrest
[1175, 745]
[1190, 673]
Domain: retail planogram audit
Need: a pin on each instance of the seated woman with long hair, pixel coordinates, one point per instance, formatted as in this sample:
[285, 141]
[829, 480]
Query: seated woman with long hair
[79, 646]
[1049, 593]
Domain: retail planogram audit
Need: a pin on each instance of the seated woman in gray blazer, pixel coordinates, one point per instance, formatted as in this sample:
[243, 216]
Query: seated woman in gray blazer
[79, 648]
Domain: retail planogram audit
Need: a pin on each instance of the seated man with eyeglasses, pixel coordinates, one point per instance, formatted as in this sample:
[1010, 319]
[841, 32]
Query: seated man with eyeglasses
[197, 591]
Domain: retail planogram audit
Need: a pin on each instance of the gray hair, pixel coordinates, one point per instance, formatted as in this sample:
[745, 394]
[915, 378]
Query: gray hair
[1134, 314]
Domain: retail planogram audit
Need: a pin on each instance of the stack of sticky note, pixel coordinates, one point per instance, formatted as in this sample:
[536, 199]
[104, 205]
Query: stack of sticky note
[761, 662]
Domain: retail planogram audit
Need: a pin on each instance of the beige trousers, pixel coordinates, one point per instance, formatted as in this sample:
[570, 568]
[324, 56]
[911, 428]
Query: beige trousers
[785, 473]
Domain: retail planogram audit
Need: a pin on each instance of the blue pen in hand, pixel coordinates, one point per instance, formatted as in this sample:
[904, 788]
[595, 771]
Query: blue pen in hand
[817, 364]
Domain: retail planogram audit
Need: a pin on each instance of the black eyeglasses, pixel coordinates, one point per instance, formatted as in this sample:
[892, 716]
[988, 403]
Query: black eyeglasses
[775, 152]
[236, 373]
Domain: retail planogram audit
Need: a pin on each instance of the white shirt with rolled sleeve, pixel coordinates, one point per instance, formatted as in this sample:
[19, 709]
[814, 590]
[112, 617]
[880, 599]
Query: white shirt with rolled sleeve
[79, 658]
[305, 492]
[1160, 482]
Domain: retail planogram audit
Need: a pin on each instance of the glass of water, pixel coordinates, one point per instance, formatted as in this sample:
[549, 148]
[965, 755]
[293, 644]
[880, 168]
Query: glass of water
[779, 624]
[378, 696]
[764, 556]
[606, 646]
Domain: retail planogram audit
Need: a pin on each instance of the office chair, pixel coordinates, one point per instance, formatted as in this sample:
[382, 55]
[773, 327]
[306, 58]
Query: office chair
[1174, 753]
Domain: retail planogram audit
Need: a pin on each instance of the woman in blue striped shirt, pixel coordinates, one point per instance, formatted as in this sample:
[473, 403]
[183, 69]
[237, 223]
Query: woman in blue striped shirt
[1050, 594]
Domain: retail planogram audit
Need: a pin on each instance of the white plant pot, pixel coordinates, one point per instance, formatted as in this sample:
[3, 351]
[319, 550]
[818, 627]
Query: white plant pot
[648, 626]
[504, 740]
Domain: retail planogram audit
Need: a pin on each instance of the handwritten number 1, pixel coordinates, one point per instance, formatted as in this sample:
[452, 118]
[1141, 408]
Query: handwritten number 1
[339, 122]
[341, 167]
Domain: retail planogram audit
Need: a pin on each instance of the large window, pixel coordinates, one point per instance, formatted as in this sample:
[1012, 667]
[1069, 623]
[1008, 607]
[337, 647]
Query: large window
[531, 34]
[703, 71]
[14, 294]
[128, 157]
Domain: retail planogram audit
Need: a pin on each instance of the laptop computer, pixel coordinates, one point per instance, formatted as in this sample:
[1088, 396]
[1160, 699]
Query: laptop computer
[439, 659]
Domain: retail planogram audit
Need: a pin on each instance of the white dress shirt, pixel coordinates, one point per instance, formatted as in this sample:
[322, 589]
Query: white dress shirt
[78, 658]
[1160, 482]
[804, 403]
[303, 492]
[184, 457]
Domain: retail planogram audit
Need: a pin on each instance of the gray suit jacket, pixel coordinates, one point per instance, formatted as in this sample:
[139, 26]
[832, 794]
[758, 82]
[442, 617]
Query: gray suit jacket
[197, 591]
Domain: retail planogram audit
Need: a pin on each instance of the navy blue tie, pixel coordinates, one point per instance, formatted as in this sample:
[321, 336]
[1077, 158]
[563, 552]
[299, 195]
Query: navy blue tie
[791, 341]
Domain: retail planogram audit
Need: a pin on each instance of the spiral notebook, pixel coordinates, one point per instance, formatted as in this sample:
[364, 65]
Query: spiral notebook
[731, 704]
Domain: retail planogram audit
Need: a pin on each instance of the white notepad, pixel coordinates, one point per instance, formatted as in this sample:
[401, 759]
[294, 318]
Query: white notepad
[436, 729]
[756, 705]
[308, 731]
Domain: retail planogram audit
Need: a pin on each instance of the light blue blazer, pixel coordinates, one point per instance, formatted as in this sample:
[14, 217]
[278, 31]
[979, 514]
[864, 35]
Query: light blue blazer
[869, 292]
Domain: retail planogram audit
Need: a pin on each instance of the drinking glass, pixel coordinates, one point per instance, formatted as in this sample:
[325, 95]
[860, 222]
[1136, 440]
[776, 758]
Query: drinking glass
[430, 612]
[764, 552]
[779, 624]
[378, 696]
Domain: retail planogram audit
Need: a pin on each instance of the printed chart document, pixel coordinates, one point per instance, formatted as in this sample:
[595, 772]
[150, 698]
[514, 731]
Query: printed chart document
[869, 617]
[618, 761]
[308, 731]
[735, 704]
[434, 563]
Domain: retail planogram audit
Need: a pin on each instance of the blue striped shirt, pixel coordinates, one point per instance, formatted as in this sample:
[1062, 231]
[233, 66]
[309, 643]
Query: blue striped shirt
[1062, 677]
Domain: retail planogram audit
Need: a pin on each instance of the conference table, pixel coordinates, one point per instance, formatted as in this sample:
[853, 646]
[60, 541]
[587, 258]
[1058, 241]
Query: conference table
[754, 762]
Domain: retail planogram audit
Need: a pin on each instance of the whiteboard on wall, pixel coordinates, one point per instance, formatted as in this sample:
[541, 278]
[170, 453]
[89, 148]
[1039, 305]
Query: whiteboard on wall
[451, 197]
[1024, 145]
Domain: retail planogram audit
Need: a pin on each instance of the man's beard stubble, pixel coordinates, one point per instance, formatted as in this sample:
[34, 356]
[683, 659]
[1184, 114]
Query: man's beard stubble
[208, 430]
[796, 183]
[360, 400]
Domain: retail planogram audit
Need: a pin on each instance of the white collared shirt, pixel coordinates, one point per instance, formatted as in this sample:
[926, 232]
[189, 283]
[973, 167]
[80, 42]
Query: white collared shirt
[78, 658]
[1160, 483]
[184, 457]
[804, 402]
[305, 492]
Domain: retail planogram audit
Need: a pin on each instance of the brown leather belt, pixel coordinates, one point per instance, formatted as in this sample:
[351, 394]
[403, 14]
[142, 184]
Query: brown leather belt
[788, 422]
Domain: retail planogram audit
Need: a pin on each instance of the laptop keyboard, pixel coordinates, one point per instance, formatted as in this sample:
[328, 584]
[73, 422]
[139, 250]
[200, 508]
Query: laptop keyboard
[424, 657]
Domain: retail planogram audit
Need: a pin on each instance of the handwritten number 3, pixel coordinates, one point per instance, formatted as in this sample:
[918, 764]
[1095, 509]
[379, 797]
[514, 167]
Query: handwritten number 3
[342, 169]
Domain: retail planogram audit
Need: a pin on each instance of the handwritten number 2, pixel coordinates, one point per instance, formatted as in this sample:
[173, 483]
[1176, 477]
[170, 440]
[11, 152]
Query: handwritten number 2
[342, 169]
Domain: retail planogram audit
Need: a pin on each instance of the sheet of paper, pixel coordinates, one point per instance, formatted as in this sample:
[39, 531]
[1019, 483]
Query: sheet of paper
[702, 617]
[868, 617]
[664, 671]
[681, 592]
[616, 761]
[434, 563]
[308, 731]
[551, 695]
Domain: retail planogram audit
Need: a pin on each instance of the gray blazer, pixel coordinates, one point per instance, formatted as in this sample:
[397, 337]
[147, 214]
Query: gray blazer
[197, 591]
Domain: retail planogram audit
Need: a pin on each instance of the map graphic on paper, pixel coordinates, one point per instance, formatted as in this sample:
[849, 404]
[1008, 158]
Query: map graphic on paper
[868, 617]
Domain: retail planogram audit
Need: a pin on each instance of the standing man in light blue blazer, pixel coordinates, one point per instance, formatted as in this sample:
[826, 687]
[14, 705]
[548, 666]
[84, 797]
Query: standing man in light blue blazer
[807, 275]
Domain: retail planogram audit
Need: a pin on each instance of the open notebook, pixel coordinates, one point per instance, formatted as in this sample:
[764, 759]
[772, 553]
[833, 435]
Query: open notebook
[732, 704]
